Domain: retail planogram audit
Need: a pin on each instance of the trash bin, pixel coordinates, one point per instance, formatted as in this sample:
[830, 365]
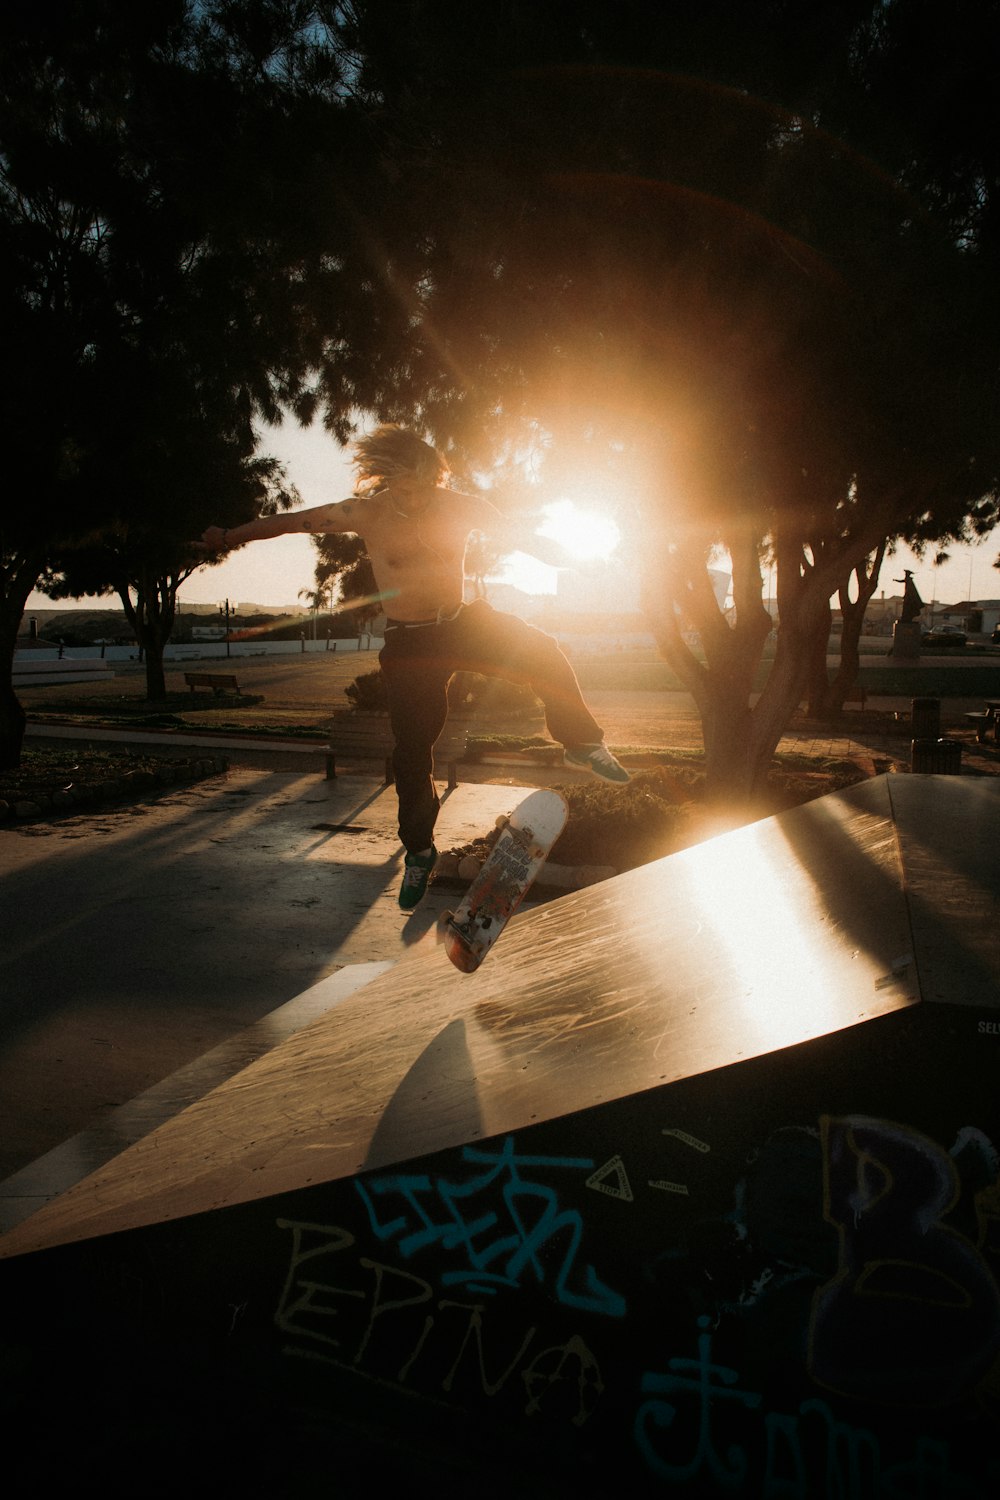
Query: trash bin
[936, 757]
[925, 718]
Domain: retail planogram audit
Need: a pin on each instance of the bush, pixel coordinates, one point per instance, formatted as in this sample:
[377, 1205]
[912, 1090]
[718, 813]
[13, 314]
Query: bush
[625, 826]
[367, 693]
[473, 693]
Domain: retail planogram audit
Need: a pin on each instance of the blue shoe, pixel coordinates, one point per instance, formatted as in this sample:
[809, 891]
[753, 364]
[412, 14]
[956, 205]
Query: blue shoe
[416, 874]
[598, 760]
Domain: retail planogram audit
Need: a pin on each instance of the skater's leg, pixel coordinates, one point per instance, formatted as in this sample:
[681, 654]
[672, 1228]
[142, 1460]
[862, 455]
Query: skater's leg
[502, 645]
[417, 686]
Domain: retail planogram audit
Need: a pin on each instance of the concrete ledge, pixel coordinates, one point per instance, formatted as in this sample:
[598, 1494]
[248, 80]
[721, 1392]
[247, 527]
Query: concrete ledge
[29, 672]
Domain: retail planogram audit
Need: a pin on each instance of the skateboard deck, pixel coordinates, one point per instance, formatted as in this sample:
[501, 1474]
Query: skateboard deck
[525, 840]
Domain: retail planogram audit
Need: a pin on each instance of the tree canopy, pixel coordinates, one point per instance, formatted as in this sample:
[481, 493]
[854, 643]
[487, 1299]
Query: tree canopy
[712, 246]
[170, 245]
[738, 255]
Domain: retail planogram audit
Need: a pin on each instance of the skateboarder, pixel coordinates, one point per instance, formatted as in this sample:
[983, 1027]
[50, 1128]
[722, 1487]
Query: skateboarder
[415, 530]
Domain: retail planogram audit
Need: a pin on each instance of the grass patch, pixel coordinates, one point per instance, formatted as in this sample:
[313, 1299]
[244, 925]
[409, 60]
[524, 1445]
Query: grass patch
[230, 714]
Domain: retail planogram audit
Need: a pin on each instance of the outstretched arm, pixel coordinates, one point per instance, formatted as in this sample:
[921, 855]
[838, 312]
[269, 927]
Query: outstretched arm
[517, 534]
[343, 516]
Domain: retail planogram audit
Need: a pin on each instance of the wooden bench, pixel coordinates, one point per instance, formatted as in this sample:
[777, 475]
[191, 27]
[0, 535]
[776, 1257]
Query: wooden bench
[535, 755]
[983, 719]
[219, 682]
[365, 737]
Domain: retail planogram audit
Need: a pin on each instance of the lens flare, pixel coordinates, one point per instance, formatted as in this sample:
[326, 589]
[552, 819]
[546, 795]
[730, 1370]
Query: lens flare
[586, 534]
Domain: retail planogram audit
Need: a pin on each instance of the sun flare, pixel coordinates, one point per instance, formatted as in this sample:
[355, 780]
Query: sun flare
[585, 534]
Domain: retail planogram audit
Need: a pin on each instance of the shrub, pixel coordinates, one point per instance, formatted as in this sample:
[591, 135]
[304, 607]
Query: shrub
[367, 693]
[625, 826]
[473, 693]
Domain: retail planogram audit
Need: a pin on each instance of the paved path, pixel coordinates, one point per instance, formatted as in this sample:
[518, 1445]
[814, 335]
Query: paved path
[137, 938]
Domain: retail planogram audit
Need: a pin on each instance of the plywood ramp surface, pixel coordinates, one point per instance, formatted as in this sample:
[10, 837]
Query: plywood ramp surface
[758, 940]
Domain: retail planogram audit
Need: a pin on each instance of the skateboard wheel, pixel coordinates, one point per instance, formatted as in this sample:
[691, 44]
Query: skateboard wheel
[502, 820]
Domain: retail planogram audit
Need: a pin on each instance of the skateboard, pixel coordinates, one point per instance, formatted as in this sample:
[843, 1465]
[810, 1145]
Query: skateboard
[526, 838]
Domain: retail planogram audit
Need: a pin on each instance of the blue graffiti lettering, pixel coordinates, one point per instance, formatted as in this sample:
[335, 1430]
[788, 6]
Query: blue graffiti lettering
[804, 1455]
[501, 1245]
[706, 1383]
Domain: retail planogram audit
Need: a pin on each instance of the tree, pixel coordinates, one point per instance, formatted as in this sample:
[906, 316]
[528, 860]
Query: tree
[170, 204]
[175, 462]
[663, 234]
[343, 563]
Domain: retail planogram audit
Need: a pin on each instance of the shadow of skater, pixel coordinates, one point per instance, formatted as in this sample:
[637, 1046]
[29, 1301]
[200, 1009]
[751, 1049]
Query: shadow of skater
[442, 1073]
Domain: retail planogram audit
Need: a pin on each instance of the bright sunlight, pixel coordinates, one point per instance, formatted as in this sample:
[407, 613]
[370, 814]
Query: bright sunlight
[585, 534]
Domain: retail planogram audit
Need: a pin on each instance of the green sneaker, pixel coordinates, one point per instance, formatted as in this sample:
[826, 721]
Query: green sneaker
[598, 760]
[416, 874]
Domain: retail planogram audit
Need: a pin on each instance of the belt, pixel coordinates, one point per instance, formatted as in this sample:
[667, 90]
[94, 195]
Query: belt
[441, 618]
[407, 624]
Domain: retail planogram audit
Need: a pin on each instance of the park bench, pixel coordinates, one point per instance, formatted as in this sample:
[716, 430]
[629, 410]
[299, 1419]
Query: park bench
[534, 755]
[219, 682]
[360, 737]
[985, 719]
[368, 737]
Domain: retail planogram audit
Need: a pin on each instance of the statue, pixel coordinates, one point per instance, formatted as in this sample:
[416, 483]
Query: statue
[912, 602]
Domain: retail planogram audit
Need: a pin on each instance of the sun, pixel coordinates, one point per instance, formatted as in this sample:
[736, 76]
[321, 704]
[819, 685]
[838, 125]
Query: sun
[586, 534]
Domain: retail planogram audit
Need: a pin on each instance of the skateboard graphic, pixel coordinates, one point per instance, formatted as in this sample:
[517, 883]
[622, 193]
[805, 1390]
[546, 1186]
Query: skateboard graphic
[525, 840]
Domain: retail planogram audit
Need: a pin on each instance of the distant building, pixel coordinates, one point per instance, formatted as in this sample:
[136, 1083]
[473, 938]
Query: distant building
[977, 616]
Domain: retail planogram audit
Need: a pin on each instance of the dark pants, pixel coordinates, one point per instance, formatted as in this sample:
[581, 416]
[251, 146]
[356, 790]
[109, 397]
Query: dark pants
[418, 663]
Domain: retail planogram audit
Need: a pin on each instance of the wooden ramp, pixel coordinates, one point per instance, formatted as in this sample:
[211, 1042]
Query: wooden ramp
[692, 1189]
[785, 930]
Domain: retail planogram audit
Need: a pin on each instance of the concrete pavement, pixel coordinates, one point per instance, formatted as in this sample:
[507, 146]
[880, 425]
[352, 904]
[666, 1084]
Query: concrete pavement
[135, 940]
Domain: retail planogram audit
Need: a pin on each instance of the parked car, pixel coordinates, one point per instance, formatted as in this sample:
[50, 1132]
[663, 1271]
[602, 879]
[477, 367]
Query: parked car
[943, 635]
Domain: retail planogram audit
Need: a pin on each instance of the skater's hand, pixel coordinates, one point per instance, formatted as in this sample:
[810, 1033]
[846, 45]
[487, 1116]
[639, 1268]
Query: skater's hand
[213, 541]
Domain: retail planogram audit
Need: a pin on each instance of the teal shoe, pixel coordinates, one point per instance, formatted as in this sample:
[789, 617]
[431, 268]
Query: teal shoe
[416, 874]
[598, 760]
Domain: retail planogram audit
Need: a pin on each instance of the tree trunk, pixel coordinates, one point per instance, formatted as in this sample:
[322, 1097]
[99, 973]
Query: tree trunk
[18, 576]
[733, 732]
[151, 615]
[156, 677]
[740, 740]
[817, 649]
[12, 716]
[826, 697]
[853, 611]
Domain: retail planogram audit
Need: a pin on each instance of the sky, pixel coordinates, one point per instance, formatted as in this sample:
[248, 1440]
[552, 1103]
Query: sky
[274, 572]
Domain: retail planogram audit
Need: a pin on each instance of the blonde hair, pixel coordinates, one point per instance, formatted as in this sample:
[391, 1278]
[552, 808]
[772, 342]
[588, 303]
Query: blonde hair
[390, 451]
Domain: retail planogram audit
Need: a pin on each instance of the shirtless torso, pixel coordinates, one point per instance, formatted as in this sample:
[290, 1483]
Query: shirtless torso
[415, 535]
[416, 549]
